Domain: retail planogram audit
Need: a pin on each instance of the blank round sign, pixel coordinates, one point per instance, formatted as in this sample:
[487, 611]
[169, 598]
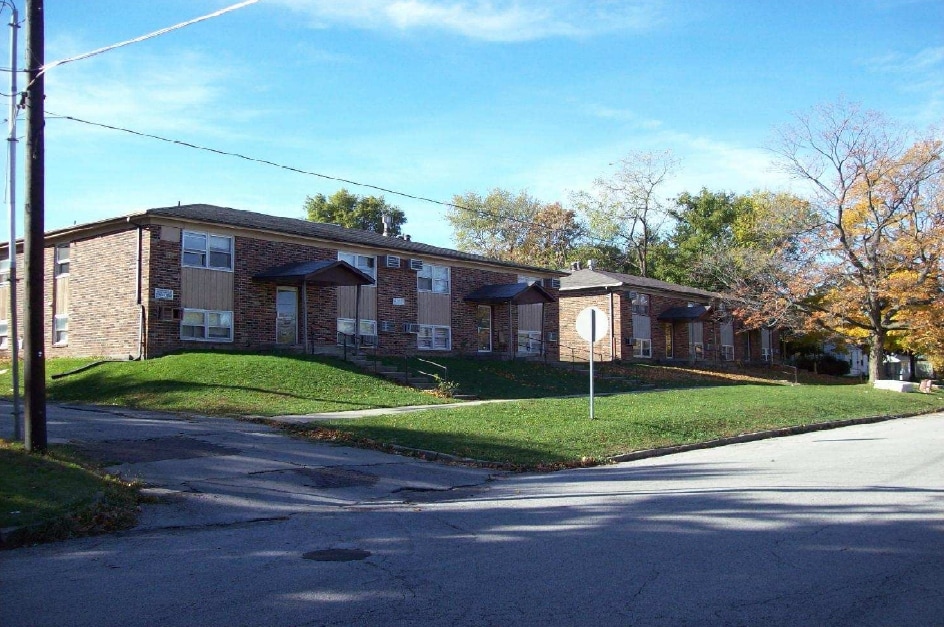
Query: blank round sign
[583, 324]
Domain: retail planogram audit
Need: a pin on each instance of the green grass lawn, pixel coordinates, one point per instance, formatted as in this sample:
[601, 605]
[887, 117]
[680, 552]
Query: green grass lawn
[550, 432]
[225, 383]
[58, 495]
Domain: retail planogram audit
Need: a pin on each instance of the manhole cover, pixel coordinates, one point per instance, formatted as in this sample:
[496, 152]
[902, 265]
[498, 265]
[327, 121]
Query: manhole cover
[327, 478]
[337, 555]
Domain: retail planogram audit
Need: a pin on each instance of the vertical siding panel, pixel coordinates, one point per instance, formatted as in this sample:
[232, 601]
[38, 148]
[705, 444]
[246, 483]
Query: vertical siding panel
[432, 308]
[347, 302]
[529, 317]
[206, 289]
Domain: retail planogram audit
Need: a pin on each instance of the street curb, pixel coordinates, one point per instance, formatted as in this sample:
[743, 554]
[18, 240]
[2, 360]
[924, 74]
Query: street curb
[759, 435]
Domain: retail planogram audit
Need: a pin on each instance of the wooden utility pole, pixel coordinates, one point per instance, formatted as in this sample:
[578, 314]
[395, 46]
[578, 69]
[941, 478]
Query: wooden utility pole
[34, 359]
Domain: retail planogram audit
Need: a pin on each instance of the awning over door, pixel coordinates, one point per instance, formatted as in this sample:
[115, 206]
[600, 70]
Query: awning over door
[685, 314]
[326, 273]
[517, 293]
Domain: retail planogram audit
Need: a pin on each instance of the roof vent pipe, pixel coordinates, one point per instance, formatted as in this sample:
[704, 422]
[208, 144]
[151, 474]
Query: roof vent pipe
[388, 224]
[589, 264]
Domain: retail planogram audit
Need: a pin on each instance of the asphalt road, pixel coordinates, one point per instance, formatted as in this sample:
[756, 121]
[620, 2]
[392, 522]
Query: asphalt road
[840, 527]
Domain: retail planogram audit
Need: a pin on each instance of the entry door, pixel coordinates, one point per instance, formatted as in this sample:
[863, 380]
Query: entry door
[286, 315]
[483, 321]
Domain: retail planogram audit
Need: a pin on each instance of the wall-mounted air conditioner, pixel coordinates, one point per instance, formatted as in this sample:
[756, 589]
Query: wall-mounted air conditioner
[416, 264]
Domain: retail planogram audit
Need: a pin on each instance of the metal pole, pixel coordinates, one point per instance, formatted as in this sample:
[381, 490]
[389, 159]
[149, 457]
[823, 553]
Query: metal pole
[34, 364]
[593, 337]
[12, 331]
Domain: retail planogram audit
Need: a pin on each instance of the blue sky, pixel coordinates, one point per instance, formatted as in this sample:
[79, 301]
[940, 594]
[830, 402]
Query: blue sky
[436, 98]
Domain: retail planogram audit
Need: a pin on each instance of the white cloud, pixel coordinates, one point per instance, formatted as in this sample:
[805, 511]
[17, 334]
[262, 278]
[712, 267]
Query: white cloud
[490, 20]
[920, 74]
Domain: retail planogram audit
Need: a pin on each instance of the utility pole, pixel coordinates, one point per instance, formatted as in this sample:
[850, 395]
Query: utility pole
[34, 360]
[13, 328]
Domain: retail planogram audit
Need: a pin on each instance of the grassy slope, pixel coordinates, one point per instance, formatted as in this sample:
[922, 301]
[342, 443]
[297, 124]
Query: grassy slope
[555, 431]
[227, 384]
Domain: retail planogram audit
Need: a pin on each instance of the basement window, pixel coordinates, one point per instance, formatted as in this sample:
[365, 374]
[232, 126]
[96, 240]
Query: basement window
[60, 330]
[207, 326]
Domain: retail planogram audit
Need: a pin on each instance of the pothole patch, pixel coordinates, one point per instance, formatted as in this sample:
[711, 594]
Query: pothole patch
[327, 478]
[336, 555]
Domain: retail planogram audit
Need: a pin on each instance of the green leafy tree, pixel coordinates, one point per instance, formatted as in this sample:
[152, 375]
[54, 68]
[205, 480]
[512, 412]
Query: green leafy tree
[354, 212]
[514, 227]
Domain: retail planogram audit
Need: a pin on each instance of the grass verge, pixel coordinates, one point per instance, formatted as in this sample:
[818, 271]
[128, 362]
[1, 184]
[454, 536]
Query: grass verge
[552, 433]
[58, 496]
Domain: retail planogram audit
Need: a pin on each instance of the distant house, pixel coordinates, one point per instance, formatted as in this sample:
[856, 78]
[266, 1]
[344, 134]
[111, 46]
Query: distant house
[199, 276]
[658, 321]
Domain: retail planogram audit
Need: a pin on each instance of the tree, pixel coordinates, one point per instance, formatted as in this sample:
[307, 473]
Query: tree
[514, 227]
[625, 210]
[704, 229]
[354, 212]
[872, 263]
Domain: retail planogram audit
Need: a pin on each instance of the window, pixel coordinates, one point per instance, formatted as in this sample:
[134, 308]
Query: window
[60, 330]
[727, 352]
[530, 280]
[207, 326]
[529, 342]
[669, 340]
[642, 348]
[204, 250]
[640, 303]
[765, 354]
[62, 260]
[364, 263]
[4, 334]
[433, 338]
[433, 279]
[368, 331]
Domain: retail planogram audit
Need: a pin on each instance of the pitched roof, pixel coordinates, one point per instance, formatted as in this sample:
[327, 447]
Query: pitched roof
[685, 314]
[331, 232]
[518, 293]
[316, 273]
[589, 279]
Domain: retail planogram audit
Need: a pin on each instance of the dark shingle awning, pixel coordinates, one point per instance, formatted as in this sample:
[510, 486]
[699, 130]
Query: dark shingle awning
[685, 314]
[327, 273]
[517, 293]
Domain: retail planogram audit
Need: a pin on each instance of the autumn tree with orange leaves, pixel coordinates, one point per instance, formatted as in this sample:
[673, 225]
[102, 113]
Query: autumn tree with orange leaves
[869, 263]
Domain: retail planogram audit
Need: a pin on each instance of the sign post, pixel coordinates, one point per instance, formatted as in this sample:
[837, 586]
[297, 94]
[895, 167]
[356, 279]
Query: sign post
[591, 326]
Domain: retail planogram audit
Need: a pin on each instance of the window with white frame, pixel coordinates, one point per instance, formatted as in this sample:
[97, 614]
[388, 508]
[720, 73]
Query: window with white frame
[62, 253]
[207, 326]
[368, 331]
[433, 278]
[640, 303]
[727, 352]
[432, 337]
[642, 348]
[530, 280]
[529, 342]
[4, 334]
[365, 263]
[60, 330]
[205, 250]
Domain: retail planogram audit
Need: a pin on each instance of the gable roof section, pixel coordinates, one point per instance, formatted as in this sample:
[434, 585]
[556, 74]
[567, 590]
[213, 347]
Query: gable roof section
[226, 216]
[517, 293]
[316, 273]
[595, 279]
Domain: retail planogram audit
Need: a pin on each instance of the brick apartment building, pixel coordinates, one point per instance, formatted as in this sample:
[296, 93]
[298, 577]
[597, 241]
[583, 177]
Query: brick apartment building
[655, 320]
[201, 276]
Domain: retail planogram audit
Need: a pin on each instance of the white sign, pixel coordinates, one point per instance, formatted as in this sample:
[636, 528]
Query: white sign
[163, 294]
[599, 324]
[399, 302]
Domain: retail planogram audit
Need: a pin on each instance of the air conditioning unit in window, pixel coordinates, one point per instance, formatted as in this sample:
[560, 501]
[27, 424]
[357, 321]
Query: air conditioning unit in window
[416, 264]
[555, 283]
[391, 261]
[388, 326]
[411, 327]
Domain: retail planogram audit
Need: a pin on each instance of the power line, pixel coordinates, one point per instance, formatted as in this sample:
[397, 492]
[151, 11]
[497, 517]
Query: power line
[581, 230]
[48, 66]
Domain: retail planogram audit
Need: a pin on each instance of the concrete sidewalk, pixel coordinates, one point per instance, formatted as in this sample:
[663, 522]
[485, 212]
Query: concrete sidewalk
[213, 471]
